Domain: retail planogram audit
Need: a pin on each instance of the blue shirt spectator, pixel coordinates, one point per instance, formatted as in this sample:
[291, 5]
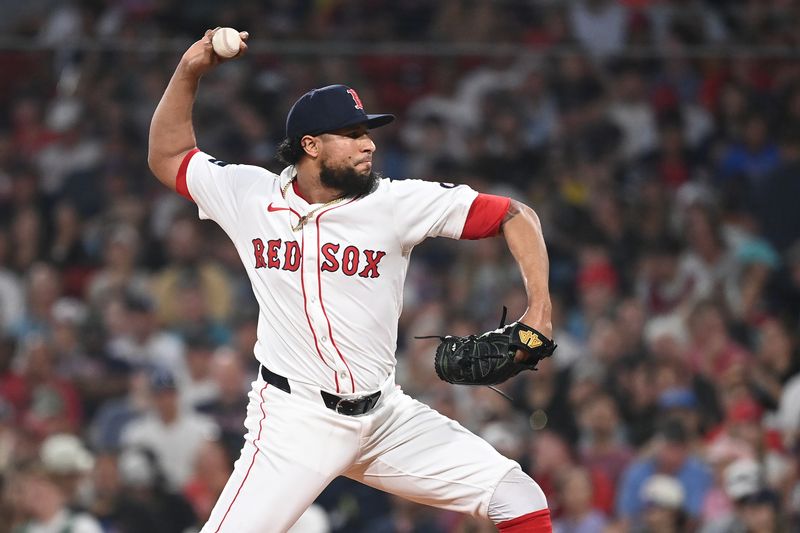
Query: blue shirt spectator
[754, 157]
[672, 457]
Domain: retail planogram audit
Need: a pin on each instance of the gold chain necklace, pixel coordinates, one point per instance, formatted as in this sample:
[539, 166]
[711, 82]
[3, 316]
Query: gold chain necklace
[304, 218]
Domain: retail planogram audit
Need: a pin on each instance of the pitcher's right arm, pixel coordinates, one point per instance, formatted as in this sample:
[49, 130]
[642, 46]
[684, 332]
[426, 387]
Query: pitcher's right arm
[171, 130]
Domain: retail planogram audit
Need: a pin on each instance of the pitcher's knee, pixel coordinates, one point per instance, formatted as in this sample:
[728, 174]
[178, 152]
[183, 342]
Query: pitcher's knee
[518, 504]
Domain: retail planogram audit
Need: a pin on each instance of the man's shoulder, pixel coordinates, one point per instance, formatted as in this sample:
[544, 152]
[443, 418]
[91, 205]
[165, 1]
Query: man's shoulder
[140, 428]
[641, 468]
[405, 182]
[242, 169]
[201, 422]
[259, 176]
[697, 466]
[402, 187]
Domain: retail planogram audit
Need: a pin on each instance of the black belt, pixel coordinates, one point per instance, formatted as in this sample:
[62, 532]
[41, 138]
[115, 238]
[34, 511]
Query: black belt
[345, 406]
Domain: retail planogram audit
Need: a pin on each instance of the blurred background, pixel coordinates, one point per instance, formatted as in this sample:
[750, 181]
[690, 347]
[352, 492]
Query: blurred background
[659, 142]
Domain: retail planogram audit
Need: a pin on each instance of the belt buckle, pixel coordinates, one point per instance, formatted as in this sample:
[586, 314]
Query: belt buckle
[347, 402]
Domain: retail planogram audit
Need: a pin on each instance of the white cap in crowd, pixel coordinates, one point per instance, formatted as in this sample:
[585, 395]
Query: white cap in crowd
[743, 478]
[65, 454]
[663, 491]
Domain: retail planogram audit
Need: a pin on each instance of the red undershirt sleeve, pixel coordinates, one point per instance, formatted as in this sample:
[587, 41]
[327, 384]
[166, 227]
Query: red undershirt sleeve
[484, 217]
[180, 179]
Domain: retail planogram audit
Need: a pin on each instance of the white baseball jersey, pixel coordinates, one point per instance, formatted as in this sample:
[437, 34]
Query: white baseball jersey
[330, 293]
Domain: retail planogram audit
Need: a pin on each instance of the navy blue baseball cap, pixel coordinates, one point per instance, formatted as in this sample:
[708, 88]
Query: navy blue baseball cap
[162, 379]
[327, 109]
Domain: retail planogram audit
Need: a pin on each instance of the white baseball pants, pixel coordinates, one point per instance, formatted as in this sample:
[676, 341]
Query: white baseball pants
[295, 446]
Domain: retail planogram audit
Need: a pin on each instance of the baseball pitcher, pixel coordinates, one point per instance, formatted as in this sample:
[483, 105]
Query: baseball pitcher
[326, 245]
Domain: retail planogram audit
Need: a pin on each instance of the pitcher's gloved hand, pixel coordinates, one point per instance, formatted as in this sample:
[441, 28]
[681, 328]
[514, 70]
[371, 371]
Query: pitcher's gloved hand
[488, 359]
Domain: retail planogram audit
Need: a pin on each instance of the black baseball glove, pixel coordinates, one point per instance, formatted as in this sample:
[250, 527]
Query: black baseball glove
[488, 359]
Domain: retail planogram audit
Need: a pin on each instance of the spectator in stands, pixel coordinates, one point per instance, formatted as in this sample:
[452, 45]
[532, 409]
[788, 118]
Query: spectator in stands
[27, 238]
[752, 159]
[108, 424]
[744, 422]
[671, 161]
[755, 507]
[672, 458]
[707, 262]
[713, 353]
[778, 220]
[632, 113]
[173, 434]
[143, 501]
[660, 283]
[719, 455]
[550, 456]
[200, 388]
[211, 471]
[190, 269]
[194, 313]
[578, 515]
[43, 289]
[227, 406]
[44, 402]
[120, 273]
[776, 362]
[664, 501]
[45, 502]
[140, 342]
[681, 404]
[67, 250]
[597, 285]
[68, 462]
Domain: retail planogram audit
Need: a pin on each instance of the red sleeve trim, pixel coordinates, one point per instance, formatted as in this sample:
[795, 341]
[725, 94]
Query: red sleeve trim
[180, 179]
[484, 217]
[535, 522]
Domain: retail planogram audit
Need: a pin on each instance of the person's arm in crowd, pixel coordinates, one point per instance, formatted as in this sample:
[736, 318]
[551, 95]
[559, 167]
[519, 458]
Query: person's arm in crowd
[523, 233]
[171, 130]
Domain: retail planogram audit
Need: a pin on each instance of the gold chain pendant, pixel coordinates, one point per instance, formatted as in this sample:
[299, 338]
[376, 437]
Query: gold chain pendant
[304, 218]
[300, 223]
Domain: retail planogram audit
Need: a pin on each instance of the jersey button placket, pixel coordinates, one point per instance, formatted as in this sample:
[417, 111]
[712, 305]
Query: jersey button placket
[315, 298]
[315, 315]
[312, 280]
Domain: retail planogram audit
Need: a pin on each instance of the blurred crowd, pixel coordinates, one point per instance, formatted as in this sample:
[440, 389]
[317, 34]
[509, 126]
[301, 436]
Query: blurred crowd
[659, 142]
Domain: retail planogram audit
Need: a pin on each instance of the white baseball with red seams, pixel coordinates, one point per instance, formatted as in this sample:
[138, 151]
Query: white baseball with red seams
[226, 42]
[330, 296]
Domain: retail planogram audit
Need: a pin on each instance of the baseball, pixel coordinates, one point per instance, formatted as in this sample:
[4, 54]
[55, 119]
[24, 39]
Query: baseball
[226, 42]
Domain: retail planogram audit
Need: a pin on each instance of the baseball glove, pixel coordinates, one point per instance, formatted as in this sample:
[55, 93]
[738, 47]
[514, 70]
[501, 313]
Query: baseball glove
[488, 359]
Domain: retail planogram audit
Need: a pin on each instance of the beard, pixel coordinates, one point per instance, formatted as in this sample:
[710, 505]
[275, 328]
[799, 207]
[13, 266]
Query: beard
[349, 181]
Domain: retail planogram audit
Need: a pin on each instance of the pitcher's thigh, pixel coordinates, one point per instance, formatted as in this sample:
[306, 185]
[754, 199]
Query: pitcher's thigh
[283, 467]
[428, 458]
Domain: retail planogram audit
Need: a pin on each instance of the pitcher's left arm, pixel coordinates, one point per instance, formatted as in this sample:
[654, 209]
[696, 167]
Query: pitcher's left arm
[522, 230]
